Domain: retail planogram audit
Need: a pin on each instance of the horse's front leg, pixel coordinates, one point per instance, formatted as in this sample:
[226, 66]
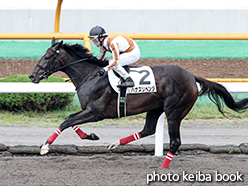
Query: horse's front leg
[74, 119]
[80, 133]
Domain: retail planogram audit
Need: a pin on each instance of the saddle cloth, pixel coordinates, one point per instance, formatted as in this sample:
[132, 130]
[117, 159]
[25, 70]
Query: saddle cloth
[143, 77]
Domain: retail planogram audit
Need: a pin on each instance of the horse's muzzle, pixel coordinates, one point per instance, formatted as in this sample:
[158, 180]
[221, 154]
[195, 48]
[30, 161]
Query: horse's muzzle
[33, 79]
[37, 77]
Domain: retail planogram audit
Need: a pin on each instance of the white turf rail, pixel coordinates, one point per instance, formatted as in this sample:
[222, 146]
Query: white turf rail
[241, 87]
[37, 88]
[62, 87]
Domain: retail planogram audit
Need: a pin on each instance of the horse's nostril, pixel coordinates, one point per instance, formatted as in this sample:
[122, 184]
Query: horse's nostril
[31, 76]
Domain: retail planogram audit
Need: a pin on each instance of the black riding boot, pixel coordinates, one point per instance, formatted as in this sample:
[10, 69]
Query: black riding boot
[127, 83]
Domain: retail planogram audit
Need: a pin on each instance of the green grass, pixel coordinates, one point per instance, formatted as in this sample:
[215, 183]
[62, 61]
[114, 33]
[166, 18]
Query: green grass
[210, 111]
[54, 118]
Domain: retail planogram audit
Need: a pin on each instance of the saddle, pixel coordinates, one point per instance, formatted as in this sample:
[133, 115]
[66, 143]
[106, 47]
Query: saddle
[144, 81]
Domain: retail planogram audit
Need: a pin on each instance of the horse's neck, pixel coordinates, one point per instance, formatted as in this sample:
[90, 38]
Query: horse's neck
[78, 72]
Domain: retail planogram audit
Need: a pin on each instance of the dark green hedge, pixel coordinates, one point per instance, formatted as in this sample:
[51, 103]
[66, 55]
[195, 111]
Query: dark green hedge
[33, 101]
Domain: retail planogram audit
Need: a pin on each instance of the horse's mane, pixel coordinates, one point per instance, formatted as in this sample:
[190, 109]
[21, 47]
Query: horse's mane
[80, 52]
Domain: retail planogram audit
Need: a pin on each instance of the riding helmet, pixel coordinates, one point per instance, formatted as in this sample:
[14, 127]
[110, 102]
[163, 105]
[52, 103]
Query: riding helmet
[97, 31]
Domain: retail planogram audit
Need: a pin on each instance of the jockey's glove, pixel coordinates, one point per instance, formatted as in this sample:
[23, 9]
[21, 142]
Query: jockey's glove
[101, 72]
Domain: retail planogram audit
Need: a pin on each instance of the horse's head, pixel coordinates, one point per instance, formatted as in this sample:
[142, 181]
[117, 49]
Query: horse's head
[48, 63]
[52, 61]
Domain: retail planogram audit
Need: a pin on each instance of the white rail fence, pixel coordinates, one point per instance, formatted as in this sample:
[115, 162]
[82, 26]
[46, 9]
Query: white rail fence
[237, 87]
[27, 87]
[61, 87]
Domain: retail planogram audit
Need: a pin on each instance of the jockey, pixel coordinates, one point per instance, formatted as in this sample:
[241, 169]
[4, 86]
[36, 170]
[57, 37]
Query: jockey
[124, 51]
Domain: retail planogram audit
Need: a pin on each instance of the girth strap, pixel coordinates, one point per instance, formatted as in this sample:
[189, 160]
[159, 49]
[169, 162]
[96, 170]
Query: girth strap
[121, 104]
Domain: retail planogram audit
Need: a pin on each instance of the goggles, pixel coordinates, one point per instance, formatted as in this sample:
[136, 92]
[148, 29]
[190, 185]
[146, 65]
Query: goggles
[95, 41]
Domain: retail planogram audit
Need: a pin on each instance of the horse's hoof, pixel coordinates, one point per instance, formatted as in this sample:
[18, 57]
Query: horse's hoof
[114, 145]
[92, 136]
[44, 149]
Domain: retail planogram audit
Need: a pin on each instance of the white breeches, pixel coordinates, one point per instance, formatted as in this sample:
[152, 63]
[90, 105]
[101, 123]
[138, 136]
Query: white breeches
[125, 59]
[128, 58]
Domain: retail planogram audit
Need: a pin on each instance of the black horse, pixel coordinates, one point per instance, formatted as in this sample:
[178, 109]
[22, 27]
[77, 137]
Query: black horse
[176, 94]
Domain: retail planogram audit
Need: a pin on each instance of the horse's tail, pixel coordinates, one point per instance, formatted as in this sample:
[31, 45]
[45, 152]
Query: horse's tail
[218, 93]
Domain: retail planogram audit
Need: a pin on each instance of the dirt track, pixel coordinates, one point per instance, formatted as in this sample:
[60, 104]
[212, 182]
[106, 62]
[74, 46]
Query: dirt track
[112, 169]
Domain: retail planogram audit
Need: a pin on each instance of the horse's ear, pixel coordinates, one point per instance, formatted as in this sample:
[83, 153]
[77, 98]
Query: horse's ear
[53, 41]
[60, 43]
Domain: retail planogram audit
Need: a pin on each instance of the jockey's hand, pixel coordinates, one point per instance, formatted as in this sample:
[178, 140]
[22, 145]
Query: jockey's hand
[105, 62]
[101, 72]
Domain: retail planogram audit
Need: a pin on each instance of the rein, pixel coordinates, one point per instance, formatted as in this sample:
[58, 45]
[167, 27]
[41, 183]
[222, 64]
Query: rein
[49, 71]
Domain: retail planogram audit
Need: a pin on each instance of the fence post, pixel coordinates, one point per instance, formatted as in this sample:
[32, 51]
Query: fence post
[87, 43]
[159, 136]
[57, 16]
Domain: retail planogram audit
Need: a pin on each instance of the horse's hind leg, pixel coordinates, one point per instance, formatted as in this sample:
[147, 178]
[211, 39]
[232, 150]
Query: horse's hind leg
[149, 129]
[175, 113]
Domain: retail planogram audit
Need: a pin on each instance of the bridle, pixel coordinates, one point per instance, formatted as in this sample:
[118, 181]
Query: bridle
[50, 68]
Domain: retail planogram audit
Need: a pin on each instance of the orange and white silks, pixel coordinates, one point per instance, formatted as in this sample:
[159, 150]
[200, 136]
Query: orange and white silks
[124, 50]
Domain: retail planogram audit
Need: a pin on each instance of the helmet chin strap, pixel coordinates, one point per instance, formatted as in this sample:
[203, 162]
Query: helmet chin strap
[101, 41]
